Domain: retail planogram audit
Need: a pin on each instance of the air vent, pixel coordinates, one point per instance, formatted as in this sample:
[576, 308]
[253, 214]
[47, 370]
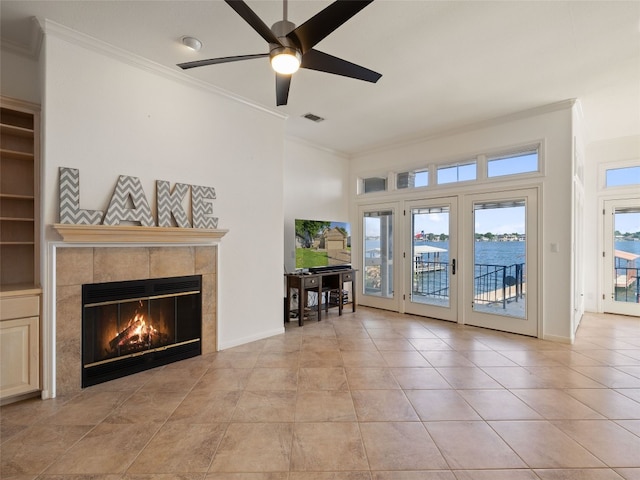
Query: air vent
[313, 118]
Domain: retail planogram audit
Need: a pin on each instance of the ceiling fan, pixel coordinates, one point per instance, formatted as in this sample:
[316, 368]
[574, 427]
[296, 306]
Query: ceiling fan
[291, 47]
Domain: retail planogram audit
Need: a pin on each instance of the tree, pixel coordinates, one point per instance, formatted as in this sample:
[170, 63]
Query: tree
[307, 230]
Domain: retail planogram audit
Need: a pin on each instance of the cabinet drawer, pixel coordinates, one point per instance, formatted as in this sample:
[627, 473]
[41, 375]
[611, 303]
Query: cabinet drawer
[347, 277]
[311, 281]
[19, 307]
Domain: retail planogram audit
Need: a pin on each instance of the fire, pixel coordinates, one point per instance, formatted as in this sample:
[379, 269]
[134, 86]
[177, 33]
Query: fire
[138, 332]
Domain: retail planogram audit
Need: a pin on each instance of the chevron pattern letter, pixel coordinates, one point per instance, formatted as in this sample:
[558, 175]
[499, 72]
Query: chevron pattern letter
[69, 197]
[170, 203]
[202, 207]
[129, 187]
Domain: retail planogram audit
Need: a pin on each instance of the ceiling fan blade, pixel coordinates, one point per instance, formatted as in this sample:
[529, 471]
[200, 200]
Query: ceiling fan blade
[252, 19]
[323, 62]
[282, 88]
[214, 61]
[326, 21]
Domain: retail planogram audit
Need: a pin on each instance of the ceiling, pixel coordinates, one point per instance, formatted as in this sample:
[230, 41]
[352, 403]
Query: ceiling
[445, 64]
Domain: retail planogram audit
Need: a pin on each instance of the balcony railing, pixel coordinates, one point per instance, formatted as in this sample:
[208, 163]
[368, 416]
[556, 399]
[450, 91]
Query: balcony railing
[493, 284]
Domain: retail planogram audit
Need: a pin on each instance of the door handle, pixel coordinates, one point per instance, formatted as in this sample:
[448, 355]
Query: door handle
[453, 266]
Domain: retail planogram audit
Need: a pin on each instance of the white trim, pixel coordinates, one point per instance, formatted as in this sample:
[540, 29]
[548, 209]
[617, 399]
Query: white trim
[48, 328]
[558, 339]
[251, 338]
[307, 143]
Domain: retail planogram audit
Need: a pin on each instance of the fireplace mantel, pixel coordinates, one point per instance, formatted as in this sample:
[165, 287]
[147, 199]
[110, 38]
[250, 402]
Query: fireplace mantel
[101, 234]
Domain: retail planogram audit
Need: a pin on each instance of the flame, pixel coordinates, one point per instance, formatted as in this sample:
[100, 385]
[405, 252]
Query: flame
[137, 332]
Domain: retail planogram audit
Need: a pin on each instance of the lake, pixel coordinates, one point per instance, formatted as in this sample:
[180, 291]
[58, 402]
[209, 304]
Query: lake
[504, 253]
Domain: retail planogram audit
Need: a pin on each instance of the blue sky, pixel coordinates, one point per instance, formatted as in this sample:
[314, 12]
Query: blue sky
[627, 222]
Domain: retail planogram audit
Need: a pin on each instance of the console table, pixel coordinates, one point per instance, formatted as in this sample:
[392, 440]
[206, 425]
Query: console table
[319, 281]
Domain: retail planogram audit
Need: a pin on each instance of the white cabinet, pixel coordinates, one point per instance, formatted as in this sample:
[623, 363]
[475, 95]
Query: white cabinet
[19, 343]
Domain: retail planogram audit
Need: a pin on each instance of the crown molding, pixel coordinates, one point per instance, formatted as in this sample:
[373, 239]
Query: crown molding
[307, 143]
[32, 50]
[67, 34]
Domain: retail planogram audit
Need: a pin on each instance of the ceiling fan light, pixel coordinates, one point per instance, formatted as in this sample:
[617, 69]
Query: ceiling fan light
[285, 60]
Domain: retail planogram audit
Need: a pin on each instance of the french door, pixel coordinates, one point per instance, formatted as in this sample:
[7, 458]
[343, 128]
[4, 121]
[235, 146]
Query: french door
[378, 231]
[622, 256]
[501, 286]
[431, 288]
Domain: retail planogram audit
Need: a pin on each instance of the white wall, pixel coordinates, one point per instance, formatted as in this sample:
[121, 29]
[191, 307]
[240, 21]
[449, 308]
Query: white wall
[110, 115]
[552, 125]
[19, 76]
[315, 187]
[612, 152]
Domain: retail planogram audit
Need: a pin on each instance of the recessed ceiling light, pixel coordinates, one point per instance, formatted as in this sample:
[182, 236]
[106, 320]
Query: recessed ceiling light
[192, 42]
[313, 118]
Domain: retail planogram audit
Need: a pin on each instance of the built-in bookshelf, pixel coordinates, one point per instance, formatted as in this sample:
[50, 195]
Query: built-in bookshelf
[19, 193]
[19, 249]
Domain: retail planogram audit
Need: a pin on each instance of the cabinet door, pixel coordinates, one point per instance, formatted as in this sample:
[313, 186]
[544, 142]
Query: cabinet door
[19, 356]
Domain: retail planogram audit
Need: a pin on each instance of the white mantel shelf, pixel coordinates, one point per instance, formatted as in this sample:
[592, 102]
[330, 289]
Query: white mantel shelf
[136, 234]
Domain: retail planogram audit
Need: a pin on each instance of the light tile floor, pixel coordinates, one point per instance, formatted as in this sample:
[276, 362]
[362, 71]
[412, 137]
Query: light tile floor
[367, 396]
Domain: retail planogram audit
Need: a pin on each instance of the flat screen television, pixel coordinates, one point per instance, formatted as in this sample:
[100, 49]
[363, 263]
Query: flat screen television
[322, 245]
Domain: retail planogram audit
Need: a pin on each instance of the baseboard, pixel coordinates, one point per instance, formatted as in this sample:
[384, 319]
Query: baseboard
[251, 338]
[558, 339]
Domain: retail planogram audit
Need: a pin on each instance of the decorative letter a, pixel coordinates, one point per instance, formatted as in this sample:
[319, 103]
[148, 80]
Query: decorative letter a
[129, 187]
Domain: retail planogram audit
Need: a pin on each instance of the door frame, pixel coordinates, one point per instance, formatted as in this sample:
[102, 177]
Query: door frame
[533, 325]
[450, 313]
[606, 279]
[386, 303]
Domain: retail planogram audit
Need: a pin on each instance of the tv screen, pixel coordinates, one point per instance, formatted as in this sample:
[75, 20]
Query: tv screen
[322, 244]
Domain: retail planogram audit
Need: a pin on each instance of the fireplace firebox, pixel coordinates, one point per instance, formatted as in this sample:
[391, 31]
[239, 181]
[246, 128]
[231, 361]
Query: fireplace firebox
[131, 326]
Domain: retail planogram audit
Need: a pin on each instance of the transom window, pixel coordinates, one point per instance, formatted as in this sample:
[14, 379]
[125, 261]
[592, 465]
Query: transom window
[619, 177]
[522, 160]
[513, 164]
[457, 173]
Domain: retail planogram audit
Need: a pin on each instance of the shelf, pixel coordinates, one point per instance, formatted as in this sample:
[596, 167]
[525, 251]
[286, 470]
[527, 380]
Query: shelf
[16, 196]
[19, 289]
[16, 219]
[15, 155]
[15, 130]
[17, 243]
[135, 234]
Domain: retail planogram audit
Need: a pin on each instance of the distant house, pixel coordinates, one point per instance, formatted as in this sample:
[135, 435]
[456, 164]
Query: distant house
[334, 239]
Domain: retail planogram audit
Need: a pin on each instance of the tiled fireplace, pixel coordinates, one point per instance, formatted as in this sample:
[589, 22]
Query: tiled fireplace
[81, 265]
[137, 325]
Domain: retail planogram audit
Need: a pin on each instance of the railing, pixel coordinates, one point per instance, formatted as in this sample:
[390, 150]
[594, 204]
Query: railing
[498, 283]
[431, 278]
[627, 285]
[492, 283]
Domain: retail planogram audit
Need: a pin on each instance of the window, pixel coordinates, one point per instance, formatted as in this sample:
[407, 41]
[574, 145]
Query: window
[422, 178]
[512, 164]
[618, 177]
[412, 179]
[457, 173]
[374, 184]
